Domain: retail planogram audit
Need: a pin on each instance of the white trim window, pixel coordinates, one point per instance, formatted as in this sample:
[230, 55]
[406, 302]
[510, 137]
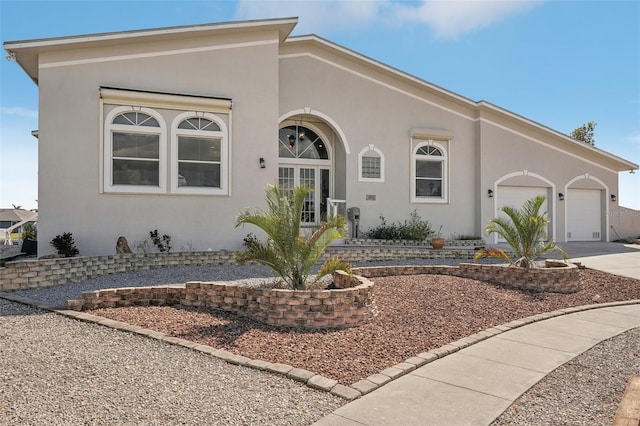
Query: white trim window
[199, 154]
[371, 164]
[135, 151]
[429, 172]
[141, 157]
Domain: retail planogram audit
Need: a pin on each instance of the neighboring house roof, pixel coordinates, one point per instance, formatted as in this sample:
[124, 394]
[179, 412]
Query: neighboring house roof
[26, 54]
[16, 215]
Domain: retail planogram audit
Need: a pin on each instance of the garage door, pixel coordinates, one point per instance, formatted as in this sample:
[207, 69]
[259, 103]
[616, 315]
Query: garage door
[584, 215]
[516, 196]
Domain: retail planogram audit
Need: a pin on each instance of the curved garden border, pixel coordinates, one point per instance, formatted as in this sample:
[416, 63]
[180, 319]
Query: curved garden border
[352, 304]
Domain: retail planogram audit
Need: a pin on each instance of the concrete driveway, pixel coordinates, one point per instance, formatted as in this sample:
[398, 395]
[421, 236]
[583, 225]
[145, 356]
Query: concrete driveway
[615, 258]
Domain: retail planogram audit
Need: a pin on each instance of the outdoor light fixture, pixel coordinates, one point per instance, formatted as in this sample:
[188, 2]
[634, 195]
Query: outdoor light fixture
[613, 197]
[292, 140]
[262, 163]
[561, 196]
[490, 193]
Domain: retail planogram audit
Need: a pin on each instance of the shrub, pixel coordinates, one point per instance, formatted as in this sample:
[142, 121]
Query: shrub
[415, 228]
[29, 231]
[464, 237]
[162, 243]
[291, 255]
[525, 232]
[65, 245]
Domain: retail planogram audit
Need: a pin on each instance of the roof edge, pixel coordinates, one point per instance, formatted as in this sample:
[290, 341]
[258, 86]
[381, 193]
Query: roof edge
[495, 108]
[313, 37]
[115, 35]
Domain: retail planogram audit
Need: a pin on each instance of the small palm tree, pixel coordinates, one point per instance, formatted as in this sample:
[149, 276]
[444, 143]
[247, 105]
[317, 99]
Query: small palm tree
[525, 231]
[289, 254]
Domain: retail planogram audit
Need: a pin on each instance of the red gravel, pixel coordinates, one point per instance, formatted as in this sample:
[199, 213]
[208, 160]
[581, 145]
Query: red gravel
[416, 313]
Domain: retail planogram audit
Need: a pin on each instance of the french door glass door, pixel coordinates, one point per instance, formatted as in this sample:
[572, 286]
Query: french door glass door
[315, 178]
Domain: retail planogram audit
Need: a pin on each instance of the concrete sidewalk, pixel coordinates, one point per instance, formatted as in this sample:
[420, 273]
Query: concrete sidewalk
[475, 385]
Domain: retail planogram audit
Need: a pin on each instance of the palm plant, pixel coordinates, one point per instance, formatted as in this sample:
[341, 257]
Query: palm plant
[525, 231]
[291, 255]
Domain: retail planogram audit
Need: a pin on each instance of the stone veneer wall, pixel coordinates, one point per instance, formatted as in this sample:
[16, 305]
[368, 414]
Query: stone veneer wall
[557, 277]
[351, 305]
[378, 242]
[27, 274]
[45, 273]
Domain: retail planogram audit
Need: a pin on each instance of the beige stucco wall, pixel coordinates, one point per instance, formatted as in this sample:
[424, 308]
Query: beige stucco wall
[352, 101]
[70, 195]
[375, 108]
[625, 223]
[517, 156]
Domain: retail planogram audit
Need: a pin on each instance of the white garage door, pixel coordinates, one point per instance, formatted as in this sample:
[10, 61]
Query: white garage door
[516, 196]
[584, 215]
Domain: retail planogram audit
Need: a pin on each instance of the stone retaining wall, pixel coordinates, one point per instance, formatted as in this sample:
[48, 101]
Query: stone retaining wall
[378, 242]
[554, 278]
[27, 274]
[350, 306]
[557, 277]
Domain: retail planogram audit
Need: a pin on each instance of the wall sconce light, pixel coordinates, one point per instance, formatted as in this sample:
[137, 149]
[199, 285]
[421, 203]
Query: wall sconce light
[490, 193]
[560, 196]
[613, 197]
[262, 163]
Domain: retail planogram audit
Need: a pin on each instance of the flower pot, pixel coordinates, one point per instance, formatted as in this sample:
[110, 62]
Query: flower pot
[437, 243]
[30, 247]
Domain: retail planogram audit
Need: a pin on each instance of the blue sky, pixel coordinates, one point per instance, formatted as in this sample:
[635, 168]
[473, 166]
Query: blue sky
[560, 63]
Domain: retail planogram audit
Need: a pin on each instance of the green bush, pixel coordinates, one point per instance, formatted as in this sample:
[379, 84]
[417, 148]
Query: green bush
[415, 228]
[65, 245]
[162, 243]
[29, 231]
[464, 237]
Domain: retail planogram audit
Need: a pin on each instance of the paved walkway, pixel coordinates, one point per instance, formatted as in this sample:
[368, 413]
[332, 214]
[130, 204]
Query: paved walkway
[475, 385]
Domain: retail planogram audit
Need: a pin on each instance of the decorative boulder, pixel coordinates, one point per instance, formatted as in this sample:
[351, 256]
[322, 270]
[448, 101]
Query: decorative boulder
[122, 246]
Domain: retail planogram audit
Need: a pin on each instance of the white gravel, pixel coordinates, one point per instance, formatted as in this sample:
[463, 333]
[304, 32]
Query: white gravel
[55, 370]
[57, 296]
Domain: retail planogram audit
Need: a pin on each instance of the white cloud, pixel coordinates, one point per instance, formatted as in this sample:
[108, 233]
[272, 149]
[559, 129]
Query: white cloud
[319, 16]
[447, 19]
[635, 138]
[451, 19]
[19, 111]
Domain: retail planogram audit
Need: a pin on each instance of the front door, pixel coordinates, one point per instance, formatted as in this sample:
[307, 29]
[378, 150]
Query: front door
[304, 161]
[314, 178]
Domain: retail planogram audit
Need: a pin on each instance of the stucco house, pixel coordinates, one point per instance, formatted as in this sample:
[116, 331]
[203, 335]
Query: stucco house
[175, 129]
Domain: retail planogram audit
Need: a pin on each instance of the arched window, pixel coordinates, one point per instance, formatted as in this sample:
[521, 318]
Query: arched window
[301, 142]
[199, 152]
[371, 164]
[135, 147]
[429, 170]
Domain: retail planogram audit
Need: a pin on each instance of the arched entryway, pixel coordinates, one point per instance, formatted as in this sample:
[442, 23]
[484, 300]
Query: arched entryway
[305, 160]
[312, 152]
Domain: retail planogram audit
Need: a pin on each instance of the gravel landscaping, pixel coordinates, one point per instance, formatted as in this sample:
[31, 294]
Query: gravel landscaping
[118, 378]
[416, 314]
[58, 371]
